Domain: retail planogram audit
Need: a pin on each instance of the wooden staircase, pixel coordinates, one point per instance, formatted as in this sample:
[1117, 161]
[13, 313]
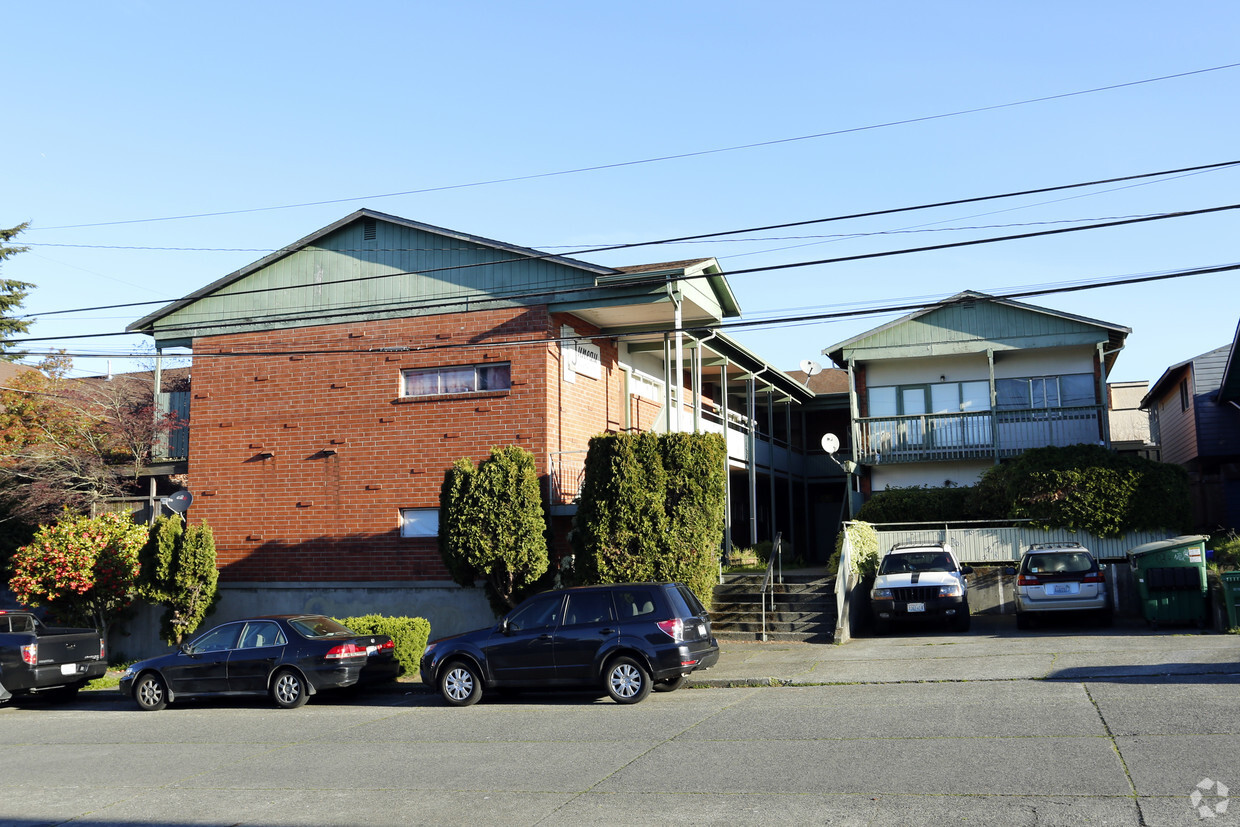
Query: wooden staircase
[804, 608]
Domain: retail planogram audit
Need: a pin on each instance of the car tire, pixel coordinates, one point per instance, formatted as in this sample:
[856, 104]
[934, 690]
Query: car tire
[626, 681]
[962, 622]
[150, 692]
[288, 689]
[671, 684]
[460, 684]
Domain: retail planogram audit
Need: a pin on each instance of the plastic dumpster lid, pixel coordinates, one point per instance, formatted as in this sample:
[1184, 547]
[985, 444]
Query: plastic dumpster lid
[1163, 545]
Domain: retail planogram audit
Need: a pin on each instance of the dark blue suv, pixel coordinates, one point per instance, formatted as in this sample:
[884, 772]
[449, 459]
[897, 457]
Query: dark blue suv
[626, 638]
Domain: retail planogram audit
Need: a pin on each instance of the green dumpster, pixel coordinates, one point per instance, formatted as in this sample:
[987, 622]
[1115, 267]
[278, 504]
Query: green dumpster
[1171, 579]
[1231, 594]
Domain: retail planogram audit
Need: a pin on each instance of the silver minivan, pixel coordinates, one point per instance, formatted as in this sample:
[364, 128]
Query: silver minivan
[1059, 577]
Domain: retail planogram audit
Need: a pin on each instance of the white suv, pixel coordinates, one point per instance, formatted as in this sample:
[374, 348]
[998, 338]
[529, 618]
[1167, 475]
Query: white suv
[920, 582]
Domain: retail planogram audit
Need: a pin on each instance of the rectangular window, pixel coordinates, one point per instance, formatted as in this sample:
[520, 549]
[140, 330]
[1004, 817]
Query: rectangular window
[1043, 392]
[1184, 394]
[460, 379]
[419, 522]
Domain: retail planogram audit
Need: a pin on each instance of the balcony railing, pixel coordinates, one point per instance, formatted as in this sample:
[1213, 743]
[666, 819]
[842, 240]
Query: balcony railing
[883, 440]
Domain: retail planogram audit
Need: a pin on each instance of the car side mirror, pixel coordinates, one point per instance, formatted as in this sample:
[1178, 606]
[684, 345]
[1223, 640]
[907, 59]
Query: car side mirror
[1010, 571]
[186, 649]
[966, 569]
[503, 626]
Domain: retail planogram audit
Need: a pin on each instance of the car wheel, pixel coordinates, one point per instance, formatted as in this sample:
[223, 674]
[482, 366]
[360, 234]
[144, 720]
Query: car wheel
[962, 622]
[150, 692]
[671, 684]
[626, 681]
[460, 684]
[288, 690]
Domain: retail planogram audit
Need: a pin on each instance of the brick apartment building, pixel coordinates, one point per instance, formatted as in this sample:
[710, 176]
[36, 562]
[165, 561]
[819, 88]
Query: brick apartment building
[336, 380]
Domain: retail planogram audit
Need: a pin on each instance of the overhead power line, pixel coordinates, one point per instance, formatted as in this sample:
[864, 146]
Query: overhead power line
[685, 238]
[695, 330]
[656, 159]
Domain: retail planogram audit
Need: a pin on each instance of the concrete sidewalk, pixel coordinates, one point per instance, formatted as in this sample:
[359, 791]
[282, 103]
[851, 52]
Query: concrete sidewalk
[992, 650]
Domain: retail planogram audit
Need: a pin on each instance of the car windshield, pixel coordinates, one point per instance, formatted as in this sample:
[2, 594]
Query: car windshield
[1059, 562]
[906, 562]
[314, 626]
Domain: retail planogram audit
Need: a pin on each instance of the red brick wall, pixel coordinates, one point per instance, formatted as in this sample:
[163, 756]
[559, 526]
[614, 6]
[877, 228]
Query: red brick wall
[302, 462]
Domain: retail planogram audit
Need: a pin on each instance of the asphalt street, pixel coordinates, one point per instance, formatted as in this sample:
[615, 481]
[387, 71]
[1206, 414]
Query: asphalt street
[1060, 726]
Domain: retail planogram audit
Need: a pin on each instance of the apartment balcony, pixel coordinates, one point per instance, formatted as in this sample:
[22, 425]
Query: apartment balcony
[985, 435]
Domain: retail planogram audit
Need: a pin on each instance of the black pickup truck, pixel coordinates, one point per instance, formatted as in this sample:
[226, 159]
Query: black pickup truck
[41, 659]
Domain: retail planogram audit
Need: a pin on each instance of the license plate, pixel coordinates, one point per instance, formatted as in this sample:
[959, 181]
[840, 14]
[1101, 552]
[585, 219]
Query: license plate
[701, 630]
[68, 668]
[917, 607]
[370, 650]
[1063, 588]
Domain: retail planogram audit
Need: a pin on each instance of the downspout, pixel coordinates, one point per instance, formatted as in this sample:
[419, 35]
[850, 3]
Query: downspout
[1102, 388]
[770, 435]
[673, 293]
[727, 463]
[667, 385]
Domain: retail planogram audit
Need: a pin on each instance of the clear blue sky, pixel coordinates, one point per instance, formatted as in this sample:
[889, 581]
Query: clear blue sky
[126, 111]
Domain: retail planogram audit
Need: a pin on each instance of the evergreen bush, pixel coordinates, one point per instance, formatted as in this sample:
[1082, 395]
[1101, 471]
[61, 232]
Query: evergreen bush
[651, 508]
[409, 636]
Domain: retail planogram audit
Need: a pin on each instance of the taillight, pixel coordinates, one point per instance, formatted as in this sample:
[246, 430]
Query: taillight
[30, 654]
[1095, 577]
[1028, 580]
[344, 650]
[383, 647]
[103, 653]
[674, 628]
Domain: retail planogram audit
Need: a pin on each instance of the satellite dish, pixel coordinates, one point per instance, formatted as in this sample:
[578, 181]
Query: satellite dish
[179, 502]
[830, 443]
[809, 367]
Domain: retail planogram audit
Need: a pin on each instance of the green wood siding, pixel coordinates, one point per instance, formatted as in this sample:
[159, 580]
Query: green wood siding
[343, 277]
[971, 328]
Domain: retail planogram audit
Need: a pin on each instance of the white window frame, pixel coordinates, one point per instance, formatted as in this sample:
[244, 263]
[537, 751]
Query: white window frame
[419, 523]
[443, 370]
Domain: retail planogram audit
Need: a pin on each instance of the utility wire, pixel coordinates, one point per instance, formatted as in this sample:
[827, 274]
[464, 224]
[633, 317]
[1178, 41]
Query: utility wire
[678, 239]
[700, 329]
[661, 158]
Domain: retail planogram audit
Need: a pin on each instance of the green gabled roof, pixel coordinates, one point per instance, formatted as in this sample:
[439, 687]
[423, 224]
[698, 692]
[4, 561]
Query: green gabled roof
[971, 322]
[373, 265]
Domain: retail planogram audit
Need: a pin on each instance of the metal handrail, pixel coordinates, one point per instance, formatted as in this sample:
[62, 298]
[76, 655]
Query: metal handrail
[775, 561]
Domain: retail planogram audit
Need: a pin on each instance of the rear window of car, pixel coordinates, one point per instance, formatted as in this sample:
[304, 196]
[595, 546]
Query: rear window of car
[684, 601]
[318, 626]
[1060, 562]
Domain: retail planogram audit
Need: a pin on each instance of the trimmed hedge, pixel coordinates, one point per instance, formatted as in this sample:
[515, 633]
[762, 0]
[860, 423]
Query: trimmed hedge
[409, 634]
[1085, 487]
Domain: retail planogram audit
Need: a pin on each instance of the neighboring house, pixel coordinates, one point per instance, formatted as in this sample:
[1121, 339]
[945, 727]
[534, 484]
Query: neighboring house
[942, 394]
[335, 381]
[1195, 406]
[1130, 425]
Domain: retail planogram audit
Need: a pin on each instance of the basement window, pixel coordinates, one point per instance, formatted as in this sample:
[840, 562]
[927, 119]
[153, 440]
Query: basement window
[493, 376]
[419, 522]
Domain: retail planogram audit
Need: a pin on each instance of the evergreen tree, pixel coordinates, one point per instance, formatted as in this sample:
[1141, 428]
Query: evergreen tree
[179, 573]
[12, 294]
[492, 525]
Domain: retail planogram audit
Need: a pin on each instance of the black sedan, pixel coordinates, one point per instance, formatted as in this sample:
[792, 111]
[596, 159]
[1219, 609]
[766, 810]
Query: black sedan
[288, 657]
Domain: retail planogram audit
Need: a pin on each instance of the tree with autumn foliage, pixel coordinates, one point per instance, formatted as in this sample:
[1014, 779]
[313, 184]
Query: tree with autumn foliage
[72, 443]
[83, 569]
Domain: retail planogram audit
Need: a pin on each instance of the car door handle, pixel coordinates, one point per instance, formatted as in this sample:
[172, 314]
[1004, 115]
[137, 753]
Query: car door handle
[544, 637]
[606, 631]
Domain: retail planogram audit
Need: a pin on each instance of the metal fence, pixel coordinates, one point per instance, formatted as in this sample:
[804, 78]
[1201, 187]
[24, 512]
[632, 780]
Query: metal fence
[988, 545]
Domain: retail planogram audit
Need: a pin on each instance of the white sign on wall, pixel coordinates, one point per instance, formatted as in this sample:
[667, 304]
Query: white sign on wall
[580, 357]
